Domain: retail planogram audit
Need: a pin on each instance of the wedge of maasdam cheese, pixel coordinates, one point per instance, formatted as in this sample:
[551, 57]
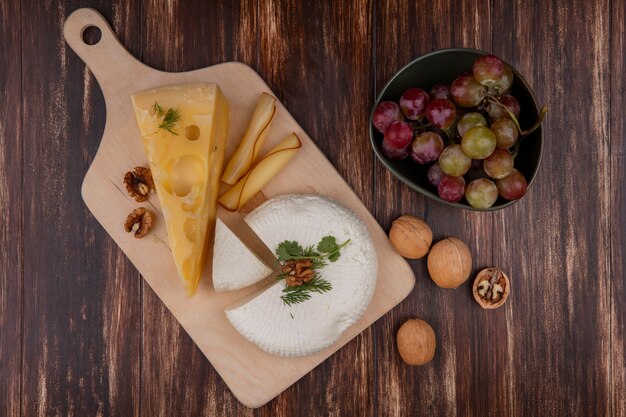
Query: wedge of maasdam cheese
[235, 266]
[186, 159]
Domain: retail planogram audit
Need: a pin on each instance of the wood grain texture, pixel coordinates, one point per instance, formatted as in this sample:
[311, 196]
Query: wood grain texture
[450, 385]
[82, 322]
[617, 211]
[93, 332]
[327, 91]
[11, 207]
[557, 335]
[543, 333]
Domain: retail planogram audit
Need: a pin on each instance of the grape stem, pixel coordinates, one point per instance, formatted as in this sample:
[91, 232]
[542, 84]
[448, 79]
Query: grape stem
[421, 128]
[418, 127]
[494, 100]
[449, 134]
[542, 115]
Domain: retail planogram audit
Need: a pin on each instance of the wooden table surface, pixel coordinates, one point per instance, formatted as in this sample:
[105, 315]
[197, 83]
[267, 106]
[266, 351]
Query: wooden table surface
[81, 334]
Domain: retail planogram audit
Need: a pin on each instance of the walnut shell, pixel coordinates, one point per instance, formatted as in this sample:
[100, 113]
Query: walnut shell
[449, 263]
[411, 236]
[485, 291]
[416, 342]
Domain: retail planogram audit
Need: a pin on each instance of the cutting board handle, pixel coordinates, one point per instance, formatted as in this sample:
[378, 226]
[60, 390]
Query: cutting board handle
[113, 66]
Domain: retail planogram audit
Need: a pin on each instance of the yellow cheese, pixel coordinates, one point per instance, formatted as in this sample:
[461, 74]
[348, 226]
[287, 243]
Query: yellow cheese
[186, 159]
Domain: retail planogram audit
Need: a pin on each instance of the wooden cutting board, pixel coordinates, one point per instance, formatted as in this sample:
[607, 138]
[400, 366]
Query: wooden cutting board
[255, 377]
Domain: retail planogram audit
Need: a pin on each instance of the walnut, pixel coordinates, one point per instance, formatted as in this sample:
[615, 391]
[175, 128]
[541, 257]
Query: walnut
[139, 221]
[449, 263]
[299, 272]
[491, 288]
[416, 342]
[139, 183]
[411, 236]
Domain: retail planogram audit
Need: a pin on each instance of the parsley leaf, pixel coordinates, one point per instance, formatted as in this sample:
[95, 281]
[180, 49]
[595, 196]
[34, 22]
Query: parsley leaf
[328, 244]
[334, 256]
[287, 250]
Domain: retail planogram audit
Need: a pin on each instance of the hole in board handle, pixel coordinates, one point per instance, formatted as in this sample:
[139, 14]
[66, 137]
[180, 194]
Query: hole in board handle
[91, 35]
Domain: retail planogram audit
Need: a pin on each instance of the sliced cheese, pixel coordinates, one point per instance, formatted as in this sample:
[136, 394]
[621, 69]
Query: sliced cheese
[186, 165]
[235, 266]
[308, 327]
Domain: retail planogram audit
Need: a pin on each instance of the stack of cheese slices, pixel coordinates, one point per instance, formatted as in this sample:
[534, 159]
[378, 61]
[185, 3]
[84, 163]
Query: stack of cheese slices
[184, 129]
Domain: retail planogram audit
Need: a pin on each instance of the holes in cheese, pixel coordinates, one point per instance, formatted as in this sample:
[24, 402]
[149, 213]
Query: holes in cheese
[183, 174]
[192, 204]
[192, 132]
[252, 140]
[261, 174]
[191, 230]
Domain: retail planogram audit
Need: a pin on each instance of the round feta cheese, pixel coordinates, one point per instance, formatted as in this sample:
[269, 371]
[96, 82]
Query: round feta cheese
[308, 327]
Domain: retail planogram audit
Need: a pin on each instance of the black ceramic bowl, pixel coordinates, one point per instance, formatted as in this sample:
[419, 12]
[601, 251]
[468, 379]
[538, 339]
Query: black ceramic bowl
[443, 66]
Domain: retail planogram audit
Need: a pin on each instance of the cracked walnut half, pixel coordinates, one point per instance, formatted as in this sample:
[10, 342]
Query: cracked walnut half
[139, 183]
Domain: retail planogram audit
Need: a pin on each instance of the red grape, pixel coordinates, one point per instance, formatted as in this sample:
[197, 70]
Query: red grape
[453, 161]
[506, 133]
[441, 113]
[385, 113]
[499, 164]
[398, 135]
[513, 186]
[496, 111]
[413, 103]
[467, 92]
[479, 142]
[435, 174]
[488, 70]
[503, 85]
[394, 153]
[440, 91]
[451, 189]
[481, 193]
[426, 147]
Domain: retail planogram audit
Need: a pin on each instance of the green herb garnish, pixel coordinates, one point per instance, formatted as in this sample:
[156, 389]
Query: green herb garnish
[327, 250]
[170, 117]
[295, 295]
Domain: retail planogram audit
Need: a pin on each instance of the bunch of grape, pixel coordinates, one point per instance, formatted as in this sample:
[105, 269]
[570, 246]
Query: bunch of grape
[467, 130]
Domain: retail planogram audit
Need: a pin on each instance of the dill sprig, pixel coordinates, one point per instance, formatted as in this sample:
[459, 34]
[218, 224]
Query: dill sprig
[170, 117]
[327, 250]
[295, 295]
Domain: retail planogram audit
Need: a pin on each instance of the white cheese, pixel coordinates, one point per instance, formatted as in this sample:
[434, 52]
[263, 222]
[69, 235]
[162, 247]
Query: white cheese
[308, 327]
[234, 265]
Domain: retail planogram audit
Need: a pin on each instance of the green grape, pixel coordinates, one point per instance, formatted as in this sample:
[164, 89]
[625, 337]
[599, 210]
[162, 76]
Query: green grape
[453, 161]
[469, 121]
[481, 193]
[479, 142]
